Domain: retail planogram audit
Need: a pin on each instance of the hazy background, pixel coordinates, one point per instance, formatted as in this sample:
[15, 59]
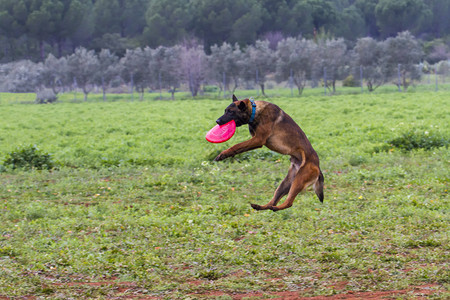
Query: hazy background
[32, 29]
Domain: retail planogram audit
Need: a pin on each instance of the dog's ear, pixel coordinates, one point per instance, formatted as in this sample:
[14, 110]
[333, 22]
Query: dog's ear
[234, 98]
[242, 106]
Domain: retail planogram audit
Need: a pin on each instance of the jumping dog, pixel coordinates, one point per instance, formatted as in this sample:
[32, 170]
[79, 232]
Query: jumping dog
[270, 126]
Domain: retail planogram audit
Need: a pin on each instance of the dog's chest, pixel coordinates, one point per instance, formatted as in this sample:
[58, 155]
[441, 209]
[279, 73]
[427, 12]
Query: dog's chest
[278, 144]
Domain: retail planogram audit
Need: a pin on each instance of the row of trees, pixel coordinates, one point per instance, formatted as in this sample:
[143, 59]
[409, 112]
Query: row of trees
[295, 60]
[34, 28]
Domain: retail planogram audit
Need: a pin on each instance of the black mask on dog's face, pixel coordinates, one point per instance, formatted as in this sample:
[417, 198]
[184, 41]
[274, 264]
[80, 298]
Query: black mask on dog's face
[235, 111]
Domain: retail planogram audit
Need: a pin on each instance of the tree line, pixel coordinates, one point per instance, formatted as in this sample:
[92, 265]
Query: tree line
[297, 61]
[34, 28]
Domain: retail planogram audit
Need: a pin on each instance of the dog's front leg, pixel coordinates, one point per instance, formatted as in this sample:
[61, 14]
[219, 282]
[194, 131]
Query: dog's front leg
[251, 144]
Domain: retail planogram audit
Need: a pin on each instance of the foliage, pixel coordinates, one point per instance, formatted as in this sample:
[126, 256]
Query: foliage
[193, 66]
[395, 58]
[165, 67]
[405, 51]
[167, 22]
[83, 65]
[258, 63]
[29, 157]
[296, 58]
[226, 60]
[135, 68]
[21, 76]
[350, 81]
[370, 55]
[32, 31]
[55, 74]
[330, 60]
[414, 139]
[400, 15]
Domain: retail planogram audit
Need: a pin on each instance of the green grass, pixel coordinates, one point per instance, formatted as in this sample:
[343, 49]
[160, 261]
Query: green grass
[136, 201]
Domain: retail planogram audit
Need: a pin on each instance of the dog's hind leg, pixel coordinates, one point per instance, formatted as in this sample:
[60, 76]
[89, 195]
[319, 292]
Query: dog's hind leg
[283, 188]
[305, 177]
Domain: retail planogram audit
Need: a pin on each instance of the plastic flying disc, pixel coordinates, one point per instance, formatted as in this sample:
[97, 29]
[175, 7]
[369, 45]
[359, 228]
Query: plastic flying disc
[221, 133]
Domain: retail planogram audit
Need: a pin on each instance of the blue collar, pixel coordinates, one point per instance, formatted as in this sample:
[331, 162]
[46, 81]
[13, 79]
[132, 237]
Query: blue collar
[252, 118]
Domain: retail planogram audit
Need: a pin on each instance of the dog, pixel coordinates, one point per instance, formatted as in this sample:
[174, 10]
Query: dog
[270, 126]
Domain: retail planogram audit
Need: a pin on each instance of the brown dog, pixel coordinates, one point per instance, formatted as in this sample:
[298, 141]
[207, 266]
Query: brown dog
[272, 127]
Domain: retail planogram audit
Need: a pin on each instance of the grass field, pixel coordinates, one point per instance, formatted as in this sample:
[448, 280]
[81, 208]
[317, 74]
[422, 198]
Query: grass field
[136, 208]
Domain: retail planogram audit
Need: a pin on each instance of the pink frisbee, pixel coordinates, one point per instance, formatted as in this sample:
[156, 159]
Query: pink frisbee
[221, 133]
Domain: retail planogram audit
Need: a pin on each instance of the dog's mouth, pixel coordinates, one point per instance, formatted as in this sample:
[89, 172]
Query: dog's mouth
[221, 121]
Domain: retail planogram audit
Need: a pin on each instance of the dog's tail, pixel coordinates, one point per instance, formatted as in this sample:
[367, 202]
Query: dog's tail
[318, 186]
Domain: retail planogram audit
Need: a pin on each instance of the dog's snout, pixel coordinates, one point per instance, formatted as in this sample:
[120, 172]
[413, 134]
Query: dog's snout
[218, 121]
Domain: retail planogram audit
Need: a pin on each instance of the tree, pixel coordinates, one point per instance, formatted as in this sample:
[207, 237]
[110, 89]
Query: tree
[13, 19]
[258, 62]
[294, 59]
[246, 28]
[165, 67]
[224, 65]
[350, 23]
[107, 14]
[440, 22]
[125, 17]
[83, 64]
[193, 66]
[22, 77]
[217, 21]
[108, 69]
[324, 14]
[55, 20]
[55, 73]
[167, 22]
[403, 54]
[437, 51]
[292, 18]
[367, 9]
[395, 16]
[331, 54]
[135, 69]
[370, 55]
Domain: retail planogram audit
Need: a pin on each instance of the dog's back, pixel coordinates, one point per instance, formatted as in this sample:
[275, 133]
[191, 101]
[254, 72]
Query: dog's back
[286, 136]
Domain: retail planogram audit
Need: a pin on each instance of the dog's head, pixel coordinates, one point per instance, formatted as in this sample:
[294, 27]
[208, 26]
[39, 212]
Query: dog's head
[239, 110]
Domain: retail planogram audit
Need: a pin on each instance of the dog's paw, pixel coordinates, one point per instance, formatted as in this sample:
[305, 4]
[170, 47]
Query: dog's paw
[255, 206]
[274, 208]
[220, 157]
